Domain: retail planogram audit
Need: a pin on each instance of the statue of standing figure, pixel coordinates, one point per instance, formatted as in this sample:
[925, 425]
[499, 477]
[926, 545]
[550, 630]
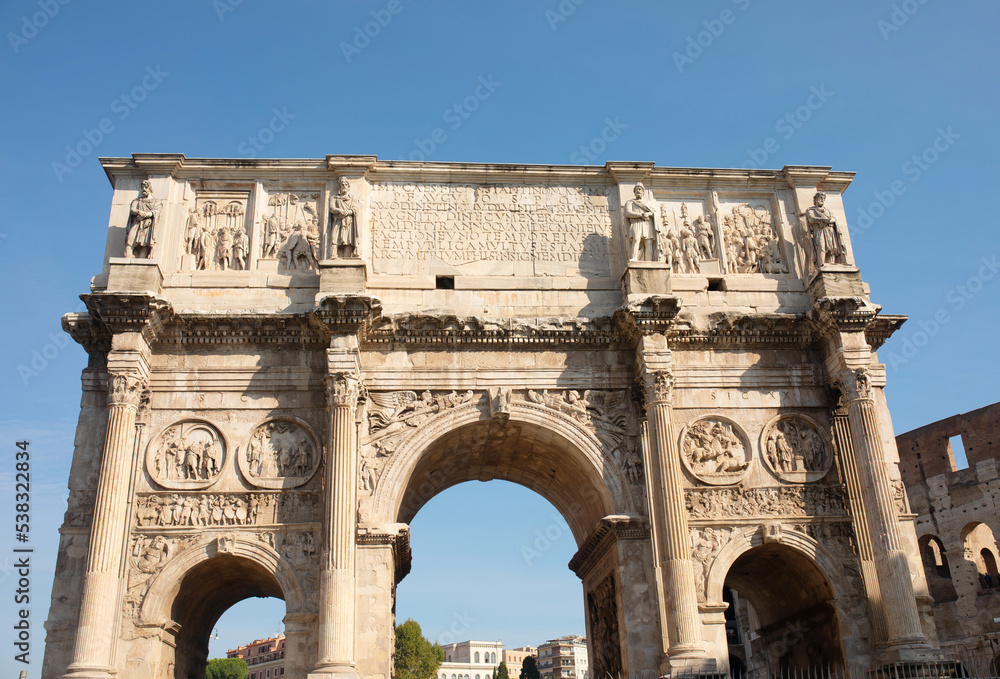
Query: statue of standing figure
[827, 246]
[143, 215]
[641, 221]
[343, 233]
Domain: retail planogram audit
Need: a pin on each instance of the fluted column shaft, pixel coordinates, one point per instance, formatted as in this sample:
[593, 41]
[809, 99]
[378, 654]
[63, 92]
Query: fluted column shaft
[337, 580]
[855, 494]
[674, 540]
[891, 561]
[100, 606]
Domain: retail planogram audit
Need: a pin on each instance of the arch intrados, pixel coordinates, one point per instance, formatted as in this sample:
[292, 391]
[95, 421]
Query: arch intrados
[807, 556]
[544, 451]
[209, 582]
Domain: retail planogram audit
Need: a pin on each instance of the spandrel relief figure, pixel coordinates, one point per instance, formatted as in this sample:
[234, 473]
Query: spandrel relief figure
[641, 228]
[343, 231]
[279, 454]
[187, 455]
[714, 452]
[827, 246]
[144, 214]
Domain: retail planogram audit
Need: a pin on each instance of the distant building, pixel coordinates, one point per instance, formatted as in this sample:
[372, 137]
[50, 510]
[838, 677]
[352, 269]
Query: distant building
[470, 660]
[957, 528]
[265, 657]
[515, 657]
[563, 657]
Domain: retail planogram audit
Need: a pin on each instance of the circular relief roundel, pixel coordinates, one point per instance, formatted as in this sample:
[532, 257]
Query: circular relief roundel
[280, 453]
[715, 450]
[795, 449]
[187, 455]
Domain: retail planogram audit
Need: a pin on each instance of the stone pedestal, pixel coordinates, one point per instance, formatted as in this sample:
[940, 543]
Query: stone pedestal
[134, 275]
[836, 280]
[646, 278]
[342, 275]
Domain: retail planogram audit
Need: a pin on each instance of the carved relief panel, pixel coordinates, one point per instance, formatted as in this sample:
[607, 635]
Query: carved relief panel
[216, 234]
[715, 450]
[290, 229]
[795, 449]
[688, 237]
[491, 229]
[751, 237]
[281, 453]
[187, 455]
[602, 609]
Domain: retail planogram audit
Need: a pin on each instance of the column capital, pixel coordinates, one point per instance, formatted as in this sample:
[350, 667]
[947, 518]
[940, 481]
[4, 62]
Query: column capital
[126, 387]
[659, 387]
[854, 385]
[343, 389]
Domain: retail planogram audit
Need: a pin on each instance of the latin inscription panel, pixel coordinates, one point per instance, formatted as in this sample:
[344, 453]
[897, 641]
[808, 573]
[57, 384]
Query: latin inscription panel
[489, 230]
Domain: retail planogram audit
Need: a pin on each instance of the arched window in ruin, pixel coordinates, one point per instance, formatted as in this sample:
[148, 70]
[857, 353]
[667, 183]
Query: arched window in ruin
[936, 569]
[981, 549]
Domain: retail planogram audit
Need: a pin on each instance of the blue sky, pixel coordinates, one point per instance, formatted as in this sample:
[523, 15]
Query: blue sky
[868, 86]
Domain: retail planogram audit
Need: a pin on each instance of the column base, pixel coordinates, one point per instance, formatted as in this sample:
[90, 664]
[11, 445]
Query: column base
[921, 669]
[334, 672]
[87, 673]
[692, 662]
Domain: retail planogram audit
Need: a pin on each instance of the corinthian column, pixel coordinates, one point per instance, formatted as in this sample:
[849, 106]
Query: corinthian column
[100, 606]
[671, 534]
[902, 619]
[337, 580]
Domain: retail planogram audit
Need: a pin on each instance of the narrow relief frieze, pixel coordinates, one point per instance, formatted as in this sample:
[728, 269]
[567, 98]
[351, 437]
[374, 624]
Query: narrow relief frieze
[708, 503]
[178, 510]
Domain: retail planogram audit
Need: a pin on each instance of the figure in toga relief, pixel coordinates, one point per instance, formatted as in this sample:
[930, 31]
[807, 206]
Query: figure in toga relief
[143, 215]
[641, 220]
[825, 236]
[343, 238]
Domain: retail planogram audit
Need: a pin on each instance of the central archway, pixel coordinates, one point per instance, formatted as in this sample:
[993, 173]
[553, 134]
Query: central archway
[566, 463]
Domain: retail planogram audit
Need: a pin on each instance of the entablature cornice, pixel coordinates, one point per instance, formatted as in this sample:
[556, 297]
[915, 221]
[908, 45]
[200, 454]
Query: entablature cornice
[129, 312]
[250, 328]
[881, 329]
[609, 530]
[652, 315]
[833, 315]
[88, 332]
[776, 330]
[445, 330]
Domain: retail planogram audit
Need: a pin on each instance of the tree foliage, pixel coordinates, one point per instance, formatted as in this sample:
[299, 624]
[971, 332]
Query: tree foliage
[226, 668]
[501, 672]
[416, 657]
[529, 668]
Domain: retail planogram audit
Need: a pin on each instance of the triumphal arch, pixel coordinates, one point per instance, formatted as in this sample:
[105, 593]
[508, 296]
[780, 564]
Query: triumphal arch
[289, 358]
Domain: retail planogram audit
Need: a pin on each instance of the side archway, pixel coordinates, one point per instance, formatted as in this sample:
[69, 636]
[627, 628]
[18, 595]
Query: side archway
[194, 589]
[796, 604]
